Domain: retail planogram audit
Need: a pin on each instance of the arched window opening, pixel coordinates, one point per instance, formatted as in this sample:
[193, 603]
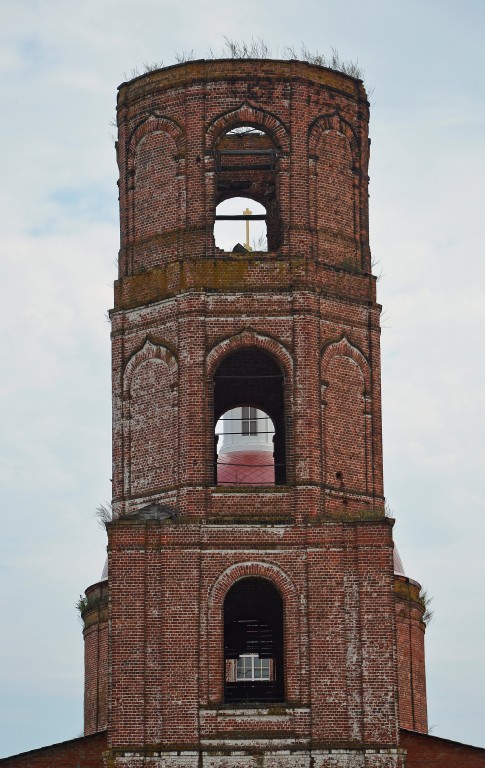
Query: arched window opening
[245, 447]
[253, 642]
[249, 395]
[240, 225]
[246, 165]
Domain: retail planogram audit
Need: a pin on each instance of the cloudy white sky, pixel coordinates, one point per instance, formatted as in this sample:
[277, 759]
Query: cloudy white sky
[60, 63]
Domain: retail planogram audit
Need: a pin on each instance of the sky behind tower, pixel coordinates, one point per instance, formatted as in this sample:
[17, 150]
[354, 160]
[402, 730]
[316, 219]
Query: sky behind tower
[60, 63]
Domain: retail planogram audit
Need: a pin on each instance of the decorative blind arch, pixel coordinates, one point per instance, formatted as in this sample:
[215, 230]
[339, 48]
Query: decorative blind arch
[343, 348]
[150, 423]
[333, 122]
[346, 416]
[149, 351]
[155, 124]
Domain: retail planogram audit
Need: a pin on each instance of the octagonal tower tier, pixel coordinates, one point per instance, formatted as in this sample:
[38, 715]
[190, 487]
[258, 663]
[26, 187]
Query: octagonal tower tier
[292, 331]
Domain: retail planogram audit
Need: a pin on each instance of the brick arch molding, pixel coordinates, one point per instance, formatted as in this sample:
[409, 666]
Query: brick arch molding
[149, 351]
[343, 348]
[264, 570]
[333, 122]
[246, 114]
[155, 124]
[292, 624]
[249, 338]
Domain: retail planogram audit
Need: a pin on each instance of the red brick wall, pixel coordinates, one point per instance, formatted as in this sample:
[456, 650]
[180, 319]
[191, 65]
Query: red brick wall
[410, 631]
[179, 423]
[95, 618]
[425, 751]
[167, 628]
[335, 190]
[85, 752]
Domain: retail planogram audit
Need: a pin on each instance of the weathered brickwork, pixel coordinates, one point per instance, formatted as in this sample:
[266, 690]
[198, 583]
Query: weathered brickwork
[84, 752]
[426, 751]
[410, 630]
[422, 751]
[182, 608]
[182, 307]
[95, 619]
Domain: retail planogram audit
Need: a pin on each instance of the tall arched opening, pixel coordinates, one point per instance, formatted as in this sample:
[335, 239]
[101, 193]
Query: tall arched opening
[246, 168]
[253, 380]
[253, 642]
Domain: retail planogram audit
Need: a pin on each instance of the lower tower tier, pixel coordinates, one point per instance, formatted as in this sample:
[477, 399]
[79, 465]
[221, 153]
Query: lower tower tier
[230, 638]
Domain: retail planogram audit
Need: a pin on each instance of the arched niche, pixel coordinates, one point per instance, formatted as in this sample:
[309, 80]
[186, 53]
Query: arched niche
[345, 387]
[150, 423]
[155, 209]
[295, 626]
[334, 153]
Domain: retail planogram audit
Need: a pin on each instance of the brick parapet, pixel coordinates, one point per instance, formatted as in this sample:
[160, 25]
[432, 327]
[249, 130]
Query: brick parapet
[220, 70]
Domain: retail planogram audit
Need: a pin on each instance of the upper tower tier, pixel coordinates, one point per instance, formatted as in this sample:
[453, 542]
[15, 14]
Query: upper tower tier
[291, 333]
[180, 156]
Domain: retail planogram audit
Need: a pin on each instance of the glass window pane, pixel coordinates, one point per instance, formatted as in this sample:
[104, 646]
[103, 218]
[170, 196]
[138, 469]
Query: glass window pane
[265, 668]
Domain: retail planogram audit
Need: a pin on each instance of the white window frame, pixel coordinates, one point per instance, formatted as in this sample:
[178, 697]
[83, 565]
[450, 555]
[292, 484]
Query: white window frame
[249, 421]
[255, 674]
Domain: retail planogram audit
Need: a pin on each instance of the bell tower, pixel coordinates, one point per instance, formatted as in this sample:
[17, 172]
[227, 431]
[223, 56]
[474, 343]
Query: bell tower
[251, 613]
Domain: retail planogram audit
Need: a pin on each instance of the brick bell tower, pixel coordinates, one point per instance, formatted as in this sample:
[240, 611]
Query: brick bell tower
[252, 617]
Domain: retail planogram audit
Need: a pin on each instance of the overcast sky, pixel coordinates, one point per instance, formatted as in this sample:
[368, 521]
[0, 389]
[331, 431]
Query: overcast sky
[60, 64]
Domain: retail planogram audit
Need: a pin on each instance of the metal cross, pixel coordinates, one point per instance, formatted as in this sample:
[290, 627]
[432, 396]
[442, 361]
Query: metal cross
[247, 212]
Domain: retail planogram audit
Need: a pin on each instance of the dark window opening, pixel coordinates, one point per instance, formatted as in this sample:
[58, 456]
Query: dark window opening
[253, 642]
[249, 402]
[246, 163]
